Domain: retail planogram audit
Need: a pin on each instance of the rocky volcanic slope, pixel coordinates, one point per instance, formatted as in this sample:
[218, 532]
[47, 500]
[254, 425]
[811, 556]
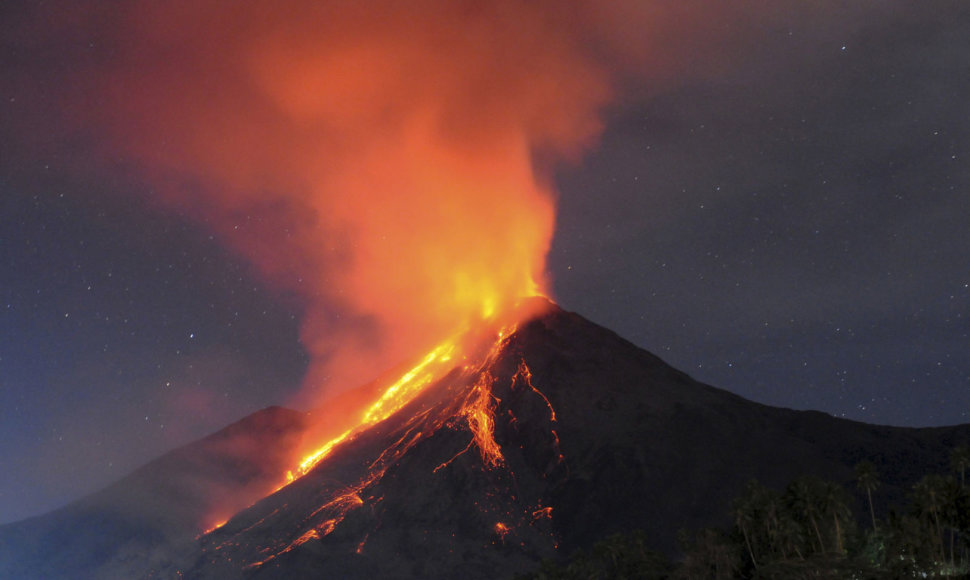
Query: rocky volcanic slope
[633, 444]
[595, 436]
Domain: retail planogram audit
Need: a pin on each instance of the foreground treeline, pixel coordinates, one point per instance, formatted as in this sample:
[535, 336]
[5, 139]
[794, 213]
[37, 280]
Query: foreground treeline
[806, 530]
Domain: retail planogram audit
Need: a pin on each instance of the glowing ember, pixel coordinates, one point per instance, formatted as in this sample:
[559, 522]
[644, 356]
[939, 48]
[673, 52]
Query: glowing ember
[327, 527]
[540, 513]
[360, 545]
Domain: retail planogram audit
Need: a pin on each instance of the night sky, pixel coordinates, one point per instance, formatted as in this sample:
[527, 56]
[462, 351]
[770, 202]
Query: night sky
[781, 212]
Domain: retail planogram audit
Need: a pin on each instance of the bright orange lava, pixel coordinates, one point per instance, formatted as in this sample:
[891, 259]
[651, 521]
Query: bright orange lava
[474, 350]
[471, 401]
[394, 397]
[215, 526]
[540, 513]
[479, 411]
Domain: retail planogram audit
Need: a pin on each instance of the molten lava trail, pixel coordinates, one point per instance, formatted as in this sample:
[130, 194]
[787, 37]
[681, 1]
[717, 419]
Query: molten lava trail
[467, 400]
[400, 393]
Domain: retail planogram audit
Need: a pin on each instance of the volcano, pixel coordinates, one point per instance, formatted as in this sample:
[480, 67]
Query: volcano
[559, 434]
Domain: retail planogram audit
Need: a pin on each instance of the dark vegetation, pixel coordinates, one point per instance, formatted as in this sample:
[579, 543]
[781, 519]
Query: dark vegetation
[812, 528]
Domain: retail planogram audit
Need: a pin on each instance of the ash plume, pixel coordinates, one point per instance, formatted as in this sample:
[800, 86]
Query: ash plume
[385, 165]
[376, 161]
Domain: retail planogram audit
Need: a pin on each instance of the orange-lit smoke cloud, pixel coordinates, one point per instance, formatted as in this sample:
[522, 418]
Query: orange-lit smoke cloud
[375, 159]
[385, 163]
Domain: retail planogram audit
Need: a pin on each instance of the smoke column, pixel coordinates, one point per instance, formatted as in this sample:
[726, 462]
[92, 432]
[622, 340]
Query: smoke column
[377, 161]
[386, 164]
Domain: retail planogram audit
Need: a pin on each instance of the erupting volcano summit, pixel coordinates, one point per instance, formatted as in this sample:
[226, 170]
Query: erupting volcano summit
[540, 440]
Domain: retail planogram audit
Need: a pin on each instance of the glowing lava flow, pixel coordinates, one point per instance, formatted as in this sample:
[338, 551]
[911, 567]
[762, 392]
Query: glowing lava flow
[478, 408]
[463, 396]
[395, 396]
[215, 527]
[434, 365]
[525, 374]
[408, 386]
[479, 411]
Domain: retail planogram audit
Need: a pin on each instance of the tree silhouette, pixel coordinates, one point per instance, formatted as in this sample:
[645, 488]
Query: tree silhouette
[772, 513]
[619, 556]
[868, 480]
[790, 536]
[833, 505]
[960, 460]
[802, 497]
[806, 532]
[744, 509]
[928, 499]
[952, 511]
[708, 555]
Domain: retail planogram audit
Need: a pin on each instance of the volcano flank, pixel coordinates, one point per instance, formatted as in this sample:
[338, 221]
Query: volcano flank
[561, 434]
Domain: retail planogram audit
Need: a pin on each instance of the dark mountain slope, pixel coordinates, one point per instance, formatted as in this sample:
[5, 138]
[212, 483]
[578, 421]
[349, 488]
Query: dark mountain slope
[137, 520]
[593, 436]
[635, 444]
[650, 448]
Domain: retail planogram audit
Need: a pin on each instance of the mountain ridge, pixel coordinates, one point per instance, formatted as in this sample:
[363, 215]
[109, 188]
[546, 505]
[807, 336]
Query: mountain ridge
[158, 505]
[634, 444]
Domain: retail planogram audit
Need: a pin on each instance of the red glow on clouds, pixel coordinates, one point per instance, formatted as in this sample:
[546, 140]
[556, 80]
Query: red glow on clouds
[377, 161]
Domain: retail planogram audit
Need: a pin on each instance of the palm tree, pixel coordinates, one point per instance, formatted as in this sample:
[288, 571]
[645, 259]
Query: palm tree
[928, 496]
[911, 549]
[950, 513]
[789, 536]
[803, 500]
[833, 504]
[708, 555]
[744, 517]
[960, 460]
[772, 512]
[867, 479]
